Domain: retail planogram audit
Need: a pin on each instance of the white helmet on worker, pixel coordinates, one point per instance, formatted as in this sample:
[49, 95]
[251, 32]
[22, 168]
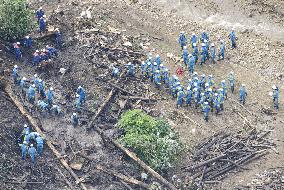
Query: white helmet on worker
[157, 56]
[25, 126]
[243, 85]
[18, 43]
[32, 145]
[74, 114]
[274, 87]
[51, 88]
[15, 66]
[194, 44]
[206, 103]
[33, 85]
[24, 78]
[223, 81]
[212, 44]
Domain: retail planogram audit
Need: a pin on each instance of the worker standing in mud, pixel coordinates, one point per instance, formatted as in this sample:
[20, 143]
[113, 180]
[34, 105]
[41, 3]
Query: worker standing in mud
[15, 74]
[275, 96]
[24, 149]
[82, 94]
[28, 42]
[233, 39]
[232, 81]
[42, 24]
[74, 120]
[182, 39]
[39, 143]
[32, 153]
[58, 38]
[195, 52]
[31, 94]
[39, 13]
[193, 40]
[185, 56]
[243, 94]
[50, 96]
[221, 55]
[23, 86]
[213, 53]
[17, 50]
[206, 110]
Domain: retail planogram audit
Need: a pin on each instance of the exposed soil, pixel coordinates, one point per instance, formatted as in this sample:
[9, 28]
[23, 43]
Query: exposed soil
[88, 57]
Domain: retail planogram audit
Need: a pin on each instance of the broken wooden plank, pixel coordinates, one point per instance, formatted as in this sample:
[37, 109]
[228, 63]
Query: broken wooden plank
[121, 89]
[35, 126]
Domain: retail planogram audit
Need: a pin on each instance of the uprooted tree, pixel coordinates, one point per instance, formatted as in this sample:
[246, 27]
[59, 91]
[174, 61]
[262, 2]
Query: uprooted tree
[153, 140]
[16, 19]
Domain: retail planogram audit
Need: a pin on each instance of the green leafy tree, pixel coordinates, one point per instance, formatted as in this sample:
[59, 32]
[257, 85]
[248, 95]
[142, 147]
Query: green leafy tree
[16, 19]
[153, 140]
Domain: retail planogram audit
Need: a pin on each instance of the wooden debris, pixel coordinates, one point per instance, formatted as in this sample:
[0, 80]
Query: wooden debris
[138, 160]
[121, 89]
[223, 152]
[48, 142]
[139, 98]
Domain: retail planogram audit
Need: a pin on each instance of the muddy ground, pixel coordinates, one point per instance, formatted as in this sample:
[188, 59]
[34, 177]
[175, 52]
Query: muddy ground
[154, 27]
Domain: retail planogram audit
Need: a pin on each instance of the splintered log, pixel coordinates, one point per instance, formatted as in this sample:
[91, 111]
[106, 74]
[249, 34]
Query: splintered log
[138, 161]
[37, 129]
[100, 110]
[120, 176]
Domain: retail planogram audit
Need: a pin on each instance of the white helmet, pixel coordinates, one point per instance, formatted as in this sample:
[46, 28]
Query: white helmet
[243, 85]
[161, 65]
[205, 40]
[25, 142]
[193, 34]
[232, 72]
[206, 103]
[195, 84]
[37, 51]
[220, 89]
[39, 80]
[195, 73]
[24, 78]
[33, 85]
[194, 44]
[157, 56]
[44, 16]
[155, 63]
[35, 75]
[223, 81]
[203, 44]
[15, 66]
[203, 75]
[32, 145]
[202, 94]
[18, 43]
[157, 71]
[206, 84]
[216, 94]
[25, 126]
[184, 47]
[40, 8]
[77, 95]
[51, 88]
[210, 76]
[190, 55]
[222, 41]
[74, 114]
[188, 88]
[274, 87]
[212, 44]
[270, 93]
[166, 69]
[79, 87]
[210, 89]
[143, 63]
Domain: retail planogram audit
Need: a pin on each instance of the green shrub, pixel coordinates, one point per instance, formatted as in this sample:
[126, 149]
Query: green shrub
[16, 19]
[151, 139]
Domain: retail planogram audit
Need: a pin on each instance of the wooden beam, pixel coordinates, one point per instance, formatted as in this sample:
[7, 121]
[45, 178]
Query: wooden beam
[35, 126]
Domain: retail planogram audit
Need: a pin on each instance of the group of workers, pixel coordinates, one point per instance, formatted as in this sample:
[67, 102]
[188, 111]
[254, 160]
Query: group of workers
[44, 54]
[26, 142]
[207, 52]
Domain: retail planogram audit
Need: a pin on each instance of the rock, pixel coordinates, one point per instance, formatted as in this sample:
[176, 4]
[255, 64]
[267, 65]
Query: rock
[62, 71]
[127, 44]
[76, 166]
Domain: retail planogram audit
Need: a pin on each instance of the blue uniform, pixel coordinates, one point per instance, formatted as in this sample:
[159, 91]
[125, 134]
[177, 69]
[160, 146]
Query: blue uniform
[28, 42]
[243, 95]
[24, 149]
[182, 40]
[36, 59]
[82, 94]
[58, 39]
[74, 120]
[39, 14]
[39, 143]
[115, 72]
[188, 97]
[191, 65]
[18, 52]
[42, 25]
[206, 110]
[222, 51]
[15, 75]
[32, 153]
[193, 40]
[51, 51]
[204, 36]
[157, 79]
[213, 54]
[31, 94]
[130, 70]
[232, 82]
[143, 69]
[50, 96]
[233, 39]
[180, 95]
[41, 87]
[185, 56]
[158, 61]
[42, 105]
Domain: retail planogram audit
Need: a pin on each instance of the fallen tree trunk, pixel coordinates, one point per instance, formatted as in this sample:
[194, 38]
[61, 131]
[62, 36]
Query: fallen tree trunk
[123, 177]
[37, 129]
[100, 110]
[138, 161]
